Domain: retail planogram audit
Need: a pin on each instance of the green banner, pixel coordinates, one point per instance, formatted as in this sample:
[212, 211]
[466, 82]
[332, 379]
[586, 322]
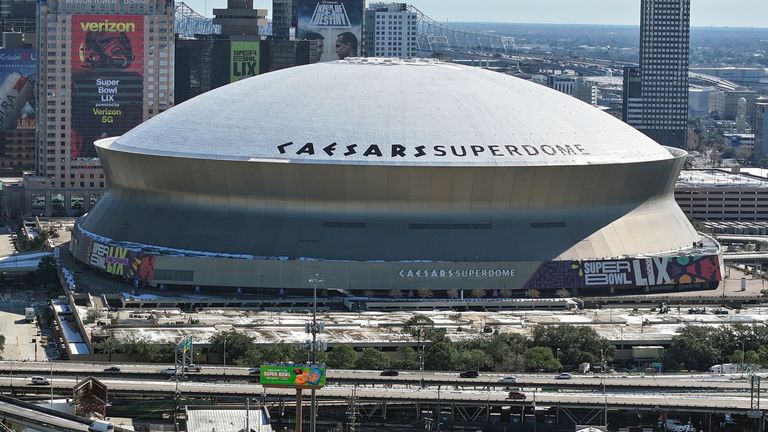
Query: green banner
[297, 376]
[244, 60]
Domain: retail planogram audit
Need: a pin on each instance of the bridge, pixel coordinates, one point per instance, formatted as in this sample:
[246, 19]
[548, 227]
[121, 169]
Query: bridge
[433, 37]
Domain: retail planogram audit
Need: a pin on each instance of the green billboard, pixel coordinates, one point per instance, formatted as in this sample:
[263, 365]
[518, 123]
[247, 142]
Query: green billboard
[297, 376]
[244, 58]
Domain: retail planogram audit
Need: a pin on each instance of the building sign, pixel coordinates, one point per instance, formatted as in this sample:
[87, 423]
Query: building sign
[336, 25]
[17, 71]
[398, 151]
[456, 273]
[296, 376]
[244, 60]
[107, 78]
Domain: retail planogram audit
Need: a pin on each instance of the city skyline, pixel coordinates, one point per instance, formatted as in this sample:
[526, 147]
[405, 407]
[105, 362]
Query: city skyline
[704, 13]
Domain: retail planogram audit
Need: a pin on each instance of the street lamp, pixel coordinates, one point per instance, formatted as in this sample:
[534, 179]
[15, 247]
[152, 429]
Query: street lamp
[314, 280]
[743, 357]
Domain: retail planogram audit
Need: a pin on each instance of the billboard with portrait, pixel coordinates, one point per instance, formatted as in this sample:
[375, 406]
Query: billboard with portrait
[336, 25]
[107, 78]
[244, 60]
[17, 78]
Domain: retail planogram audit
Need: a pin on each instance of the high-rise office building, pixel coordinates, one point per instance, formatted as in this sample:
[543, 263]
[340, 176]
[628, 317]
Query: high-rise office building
[104, 67]
[663, 98]
[285, 16]
[390, 31]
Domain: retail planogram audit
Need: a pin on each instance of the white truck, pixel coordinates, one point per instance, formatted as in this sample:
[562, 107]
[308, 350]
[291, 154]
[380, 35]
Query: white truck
[29, 314]
[724, 368]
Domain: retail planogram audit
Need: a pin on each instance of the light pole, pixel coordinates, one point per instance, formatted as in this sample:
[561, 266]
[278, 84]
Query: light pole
[314, 329]
[743, 358]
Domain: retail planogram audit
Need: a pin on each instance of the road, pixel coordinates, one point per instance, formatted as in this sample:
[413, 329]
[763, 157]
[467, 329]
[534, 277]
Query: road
[697, 382]
[153, 388]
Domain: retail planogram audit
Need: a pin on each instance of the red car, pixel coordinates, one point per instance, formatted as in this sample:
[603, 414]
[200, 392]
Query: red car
[516, 395]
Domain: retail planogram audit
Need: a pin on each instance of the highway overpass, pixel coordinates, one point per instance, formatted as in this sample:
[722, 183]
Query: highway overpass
[350, 377]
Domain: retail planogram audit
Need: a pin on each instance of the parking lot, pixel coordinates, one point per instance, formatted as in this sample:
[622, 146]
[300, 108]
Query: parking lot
[18, 333]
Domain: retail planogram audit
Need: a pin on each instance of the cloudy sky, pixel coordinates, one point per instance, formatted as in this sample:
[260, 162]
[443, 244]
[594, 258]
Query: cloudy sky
[721, 13]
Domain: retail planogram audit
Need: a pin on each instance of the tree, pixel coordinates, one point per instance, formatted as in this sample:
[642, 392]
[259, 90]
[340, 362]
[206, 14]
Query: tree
[47, 272]
[109, 346]
[405, 358]
[440, 356]
[532, 293]
[2, 343]
[342, 357]
[473, 360]
[541, 358]
[371, 358]
[577, 344]
[478, 293]
[282, 353]
[693, 348]
[425, 293]
[234, 342]
[563, 293]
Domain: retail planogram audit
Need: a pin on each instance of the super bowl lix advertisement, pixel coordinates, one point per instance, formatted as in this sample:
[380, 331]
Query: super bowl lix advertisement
[107, 78]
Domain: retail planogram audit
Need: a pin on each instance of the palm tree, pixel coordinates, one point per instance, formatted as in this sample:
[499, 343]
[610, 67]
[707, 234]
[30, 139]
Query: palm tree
[109, 345]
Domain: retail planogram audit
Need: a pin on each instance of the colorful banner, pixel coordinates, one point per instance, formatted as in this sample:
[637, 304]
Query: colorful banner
[244, 57]
[336, 25]
[17, 98]
[626, 273]
[107, 78]
[296, 376]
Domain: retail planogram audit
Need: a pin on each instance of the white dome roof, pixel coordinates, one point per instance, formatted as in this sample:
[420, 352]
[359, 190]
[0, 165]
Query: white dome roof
[373, 111]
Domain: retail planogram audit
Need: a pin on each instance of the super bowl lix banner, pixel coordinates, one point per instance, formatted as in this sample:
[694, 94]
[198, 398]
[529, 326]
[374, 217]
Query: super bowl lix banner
[107, 78]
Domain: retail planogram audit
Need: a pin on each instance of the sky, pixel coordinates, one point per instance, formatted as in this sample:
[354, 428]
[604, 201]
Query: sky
[717, 13]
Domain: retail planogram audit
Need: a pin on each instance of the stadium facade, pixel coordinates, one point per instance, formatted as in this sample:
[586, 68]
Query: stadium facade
[391, 176]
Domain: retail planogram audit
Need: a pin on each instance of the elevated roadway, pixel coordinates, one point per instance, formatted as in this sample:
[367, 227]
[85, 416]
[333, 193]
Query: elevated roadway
[350, 377]
[705, 402]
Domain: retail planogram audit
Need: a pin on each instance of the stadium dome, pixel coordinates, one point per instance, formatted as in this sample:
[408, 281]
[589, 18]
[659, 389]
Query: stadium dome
[369, 171]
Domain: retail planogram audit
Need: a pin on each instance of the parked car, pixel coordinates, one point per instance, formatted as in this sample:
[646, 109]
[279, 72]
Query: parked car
[508, 380]
[469, 374]
[390, 373]
[254, 371]
[564, 376]
[112, 369]
[516, 395]
[38, 380]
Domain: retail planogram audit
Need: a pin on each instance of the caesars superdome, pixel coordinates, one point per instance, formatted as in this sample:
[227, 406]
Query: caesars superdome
[388, 177]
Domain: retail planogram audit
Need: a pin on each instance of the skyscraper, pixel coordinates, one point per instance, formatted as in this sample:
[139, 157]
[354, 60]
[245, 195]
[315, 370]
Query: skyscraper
[663, 98]
[104, 67]
[284, 17]
[390, 31]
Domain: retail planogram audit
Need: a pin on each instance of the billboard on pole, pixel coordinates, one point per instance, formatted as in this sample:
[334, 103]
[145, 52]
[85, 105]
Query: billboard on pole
[244, 58]
[107, 78]
[336, 25]
[295, 376]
